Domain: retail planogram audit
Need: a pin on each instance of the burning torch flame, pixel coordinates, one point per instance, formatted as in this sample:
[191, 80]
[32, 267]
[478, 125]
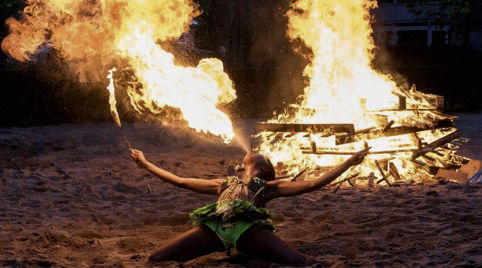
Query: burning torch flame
[112, 101]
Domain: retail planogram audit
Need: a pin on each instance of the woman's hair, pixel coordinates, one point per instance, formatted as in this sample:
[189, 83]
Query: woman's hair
[269, 173]
[261, 162]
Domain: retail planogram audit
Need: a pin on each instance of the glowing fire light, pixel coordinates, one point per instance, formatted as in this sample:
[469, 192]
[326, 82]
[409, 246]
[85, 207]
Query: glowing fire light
[343, 88]
[93, 34]
[342, 83]
[112, 101]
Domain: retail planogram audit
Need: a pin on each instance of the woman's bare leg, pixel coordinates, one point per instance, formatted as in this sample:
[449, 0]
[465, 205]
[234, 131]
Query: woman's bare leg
[194, 243]
[264, 244]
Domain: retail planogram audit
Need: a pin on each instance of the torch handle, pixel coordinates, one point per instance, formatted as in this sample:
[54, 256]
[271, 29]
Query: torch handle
[143, 176]
[128, 144]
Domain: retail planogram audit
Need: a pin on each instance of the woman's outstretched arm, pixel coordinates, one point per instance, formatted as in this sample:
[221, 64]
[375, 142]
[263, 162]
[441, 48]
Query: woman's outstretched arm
[276, 189]
[195, 185]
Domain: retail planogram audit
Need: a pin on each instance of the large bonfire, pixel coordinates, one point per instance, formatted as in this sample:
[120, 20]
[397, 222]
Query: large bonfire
[349, 106]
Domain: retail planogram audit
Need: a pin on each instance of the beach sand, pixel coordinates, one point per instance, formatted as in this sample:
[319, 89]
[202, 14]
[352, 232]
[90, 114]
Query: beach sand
[71, 196]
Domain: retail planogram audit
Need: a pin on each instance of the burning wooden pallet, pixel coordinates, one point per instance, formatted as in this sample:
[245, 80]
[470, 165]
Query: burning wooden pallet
[413, 137]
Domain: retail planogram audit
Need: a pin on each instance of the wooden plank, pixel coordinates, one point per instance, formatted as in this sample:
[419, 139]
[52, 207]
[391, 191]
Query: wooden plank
[394, 171]
[430, 117]
[394, 151]
[469, 169]
[383, 174]
[445, 139]
[475, 163]
[440, 103]
[475, 177]
[435, 101]
[375, 134]
[451, 175]
[278, 127]
[379, 119]
[402, 102]
[370, 134]
[479, 179]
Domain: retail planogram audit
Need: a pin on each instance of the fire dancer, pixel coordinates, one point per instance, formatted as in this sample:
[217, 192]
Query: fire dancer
[239, 218]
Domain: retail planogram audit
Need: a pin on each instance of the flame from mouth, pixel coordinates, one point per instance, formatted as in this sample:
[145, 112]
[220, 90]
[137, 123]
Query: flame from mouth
[98, 32]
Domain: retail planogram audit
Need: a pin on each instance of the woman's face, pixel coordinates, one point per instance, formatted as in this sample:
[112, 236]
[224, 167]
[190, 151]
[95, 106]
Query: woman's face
[253, 159]
[259, 165]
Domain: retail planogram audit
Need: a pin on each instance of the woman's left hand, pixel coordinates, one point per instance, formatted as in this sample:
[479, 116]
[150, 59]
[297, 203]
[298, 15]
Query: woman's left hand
[358, 157]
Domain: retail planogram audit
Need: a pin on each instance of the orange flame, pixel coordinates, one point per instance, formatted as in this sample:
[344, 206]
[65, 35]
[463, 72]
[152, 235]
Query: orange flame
[342, 83]
[343, 88]
[112, 101]
[96, 32]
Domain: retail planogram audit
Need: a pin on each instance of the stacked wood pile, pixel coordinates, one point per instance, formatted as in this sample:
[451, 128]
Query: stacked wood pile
[434, 141]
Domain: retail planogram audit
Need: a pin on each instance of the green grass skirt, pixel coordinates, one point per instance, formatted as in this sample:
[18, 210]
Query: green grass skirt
[230, 211]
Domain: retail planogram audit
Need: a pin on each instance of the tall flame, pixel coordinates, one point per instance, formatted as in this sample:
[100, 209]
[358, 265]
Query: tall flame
[96, 32]
[342, 83]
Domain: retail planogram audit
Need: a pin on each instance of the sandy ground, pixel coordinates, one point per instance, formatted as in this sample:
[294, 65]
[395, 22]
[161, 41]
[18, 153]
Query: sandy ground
[70, 196]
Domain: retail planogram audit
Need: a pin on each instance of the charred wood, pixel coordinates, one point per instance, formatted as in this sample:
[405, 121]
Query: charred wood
[383, 174]
[341, 182]
[394, 172]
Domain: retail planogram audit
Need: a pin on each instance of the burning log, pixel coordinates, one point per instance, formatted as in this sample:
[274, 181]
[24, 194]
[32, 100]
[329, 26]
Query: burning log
[346, 179]
[371, 179]
[353, 137]
[414, 133]
[313, 146]
[419, 162]
[275, 127]
[438, 153]
[394, 172]
[428, 157]
[383, 174]
[387, 131]
[394, 151]
[402, 101]
[388, 126]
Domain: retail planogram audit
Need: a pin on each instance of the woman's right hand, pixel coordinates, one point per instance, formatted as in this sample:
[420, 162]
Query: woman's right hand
[138, 157]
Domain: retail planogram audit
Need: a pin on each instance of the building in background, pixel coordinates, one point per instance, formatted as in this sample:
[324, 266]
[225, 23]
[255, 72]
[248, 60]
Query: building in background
[433, 24]
[396, 24]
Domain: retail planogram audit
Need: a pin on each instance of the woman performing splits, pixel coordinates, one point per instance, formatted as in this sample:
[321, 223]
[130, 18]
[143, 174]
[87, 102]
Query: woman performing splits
[239, 218]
